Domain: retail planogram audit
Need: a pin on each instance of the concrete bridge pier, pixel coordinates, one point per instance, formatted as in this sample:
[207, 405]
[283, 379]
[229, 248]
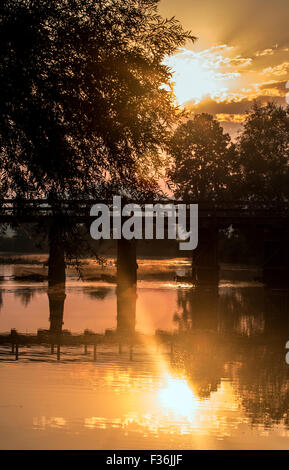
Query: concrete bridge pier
[56, 260]
[56, 308]
[276, 256]
[56, 275]
[276, 313]
[198, 309]
[126, 286]
[205, 265]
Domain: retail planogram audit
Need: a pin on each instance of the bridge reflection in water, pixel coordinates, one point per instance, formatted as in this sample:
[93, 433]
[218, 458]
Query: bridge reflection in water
[212, 361]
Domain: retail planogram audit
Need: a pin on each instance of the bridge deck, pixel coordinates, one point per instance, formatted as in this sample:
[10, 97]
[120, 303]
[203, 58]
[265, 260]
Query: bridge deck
[222, 213]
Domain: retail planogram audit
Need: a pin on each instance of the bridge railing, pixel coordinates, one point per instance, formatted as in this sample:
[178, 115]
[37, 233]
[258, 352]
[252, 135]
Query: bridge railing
[78, 207]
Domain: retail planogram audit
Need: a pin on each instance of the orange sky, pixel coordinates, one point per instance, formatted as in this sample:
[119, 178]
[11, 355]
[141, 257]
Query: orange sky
[242, 53]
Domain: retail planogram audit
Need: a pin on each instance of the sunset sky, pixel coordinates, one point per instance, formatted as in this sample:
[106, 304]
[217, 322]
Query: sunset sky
[242, 53]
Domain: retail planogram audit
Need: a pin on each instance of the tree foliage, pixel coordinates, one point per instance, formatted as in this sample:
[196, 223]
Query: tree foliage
[264, 153]
[205, 165]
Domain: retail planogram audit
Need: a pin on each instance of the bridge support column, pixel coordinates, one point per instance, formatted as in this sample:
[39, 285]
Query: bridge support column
[276, 256]
[126, 286]
[276, 313]
[205, 266]
[254, 239]
[56, 299]
[56, 261]
[198, 309]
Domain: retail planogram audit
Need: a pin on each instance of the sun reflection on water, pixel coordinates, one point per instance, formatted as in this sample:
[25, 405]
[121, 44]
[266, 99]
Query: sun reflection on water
[177, 397]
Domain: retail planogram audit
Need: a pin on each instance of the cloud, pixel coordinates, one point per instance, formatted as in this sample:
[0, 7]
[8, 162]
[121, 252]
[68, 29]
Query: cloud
[221, 82]
[265, 52]
[279, 70]
[227, 76]
[233, 118]
[274, 88]
[207, 72]
[232, 114]
[231, 110]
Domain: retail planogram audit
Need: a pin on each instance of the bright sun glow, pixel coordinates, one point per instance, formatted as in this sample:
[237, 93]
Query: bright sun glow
[178, 397]
[193, 79]
[209, 73]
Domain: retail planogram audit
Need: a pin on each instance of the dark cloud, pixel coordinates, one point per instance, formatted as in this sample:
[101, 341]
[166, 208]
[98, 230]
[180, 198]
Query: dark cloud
[233, 107]
[279, 86]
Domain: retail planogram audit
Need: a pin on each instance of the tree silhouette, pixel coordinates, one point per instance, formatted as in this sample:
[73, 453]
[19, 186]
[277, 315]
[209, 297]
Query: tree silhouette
[264, 153]
[82, 102]
[84, 107]
[204, 160]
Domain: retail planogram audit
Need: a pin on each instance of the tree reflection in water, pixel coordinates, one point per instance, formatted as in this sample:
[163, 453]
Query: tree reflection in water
[239, 336]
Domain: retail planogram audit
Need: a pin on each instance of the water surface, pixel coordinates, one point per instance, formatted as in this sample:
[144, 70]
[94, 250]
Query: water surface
[224, 385]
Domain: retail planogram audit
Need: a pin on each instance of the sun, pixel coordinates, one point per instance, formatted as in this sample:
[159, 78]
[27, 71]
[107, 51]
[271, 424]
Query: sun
[194, 78]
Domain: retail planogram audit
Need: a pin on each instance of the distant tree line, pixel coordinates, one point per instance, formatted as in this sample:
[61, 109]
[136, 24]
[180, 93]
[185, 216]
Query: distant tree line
[208, 166]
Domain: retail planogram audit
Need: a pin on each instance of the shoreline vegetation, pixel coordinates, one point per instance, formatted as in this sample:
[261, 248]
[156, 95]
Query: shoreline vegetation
[33, 268]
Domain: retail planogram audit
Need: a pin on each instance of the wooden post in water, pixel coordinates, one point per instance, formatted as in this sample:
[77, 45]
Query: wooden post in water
[14, 341]
[58, 351]
[94, 352]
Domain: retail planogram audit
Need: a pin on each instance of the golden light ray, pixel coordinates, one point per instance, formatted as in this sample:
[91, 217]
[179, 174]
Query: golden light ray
[209, 73]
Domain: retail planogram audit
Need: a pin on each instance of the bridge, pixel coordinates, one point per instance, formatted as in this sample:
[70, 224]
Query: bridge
[268, 223]
[224, 213]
